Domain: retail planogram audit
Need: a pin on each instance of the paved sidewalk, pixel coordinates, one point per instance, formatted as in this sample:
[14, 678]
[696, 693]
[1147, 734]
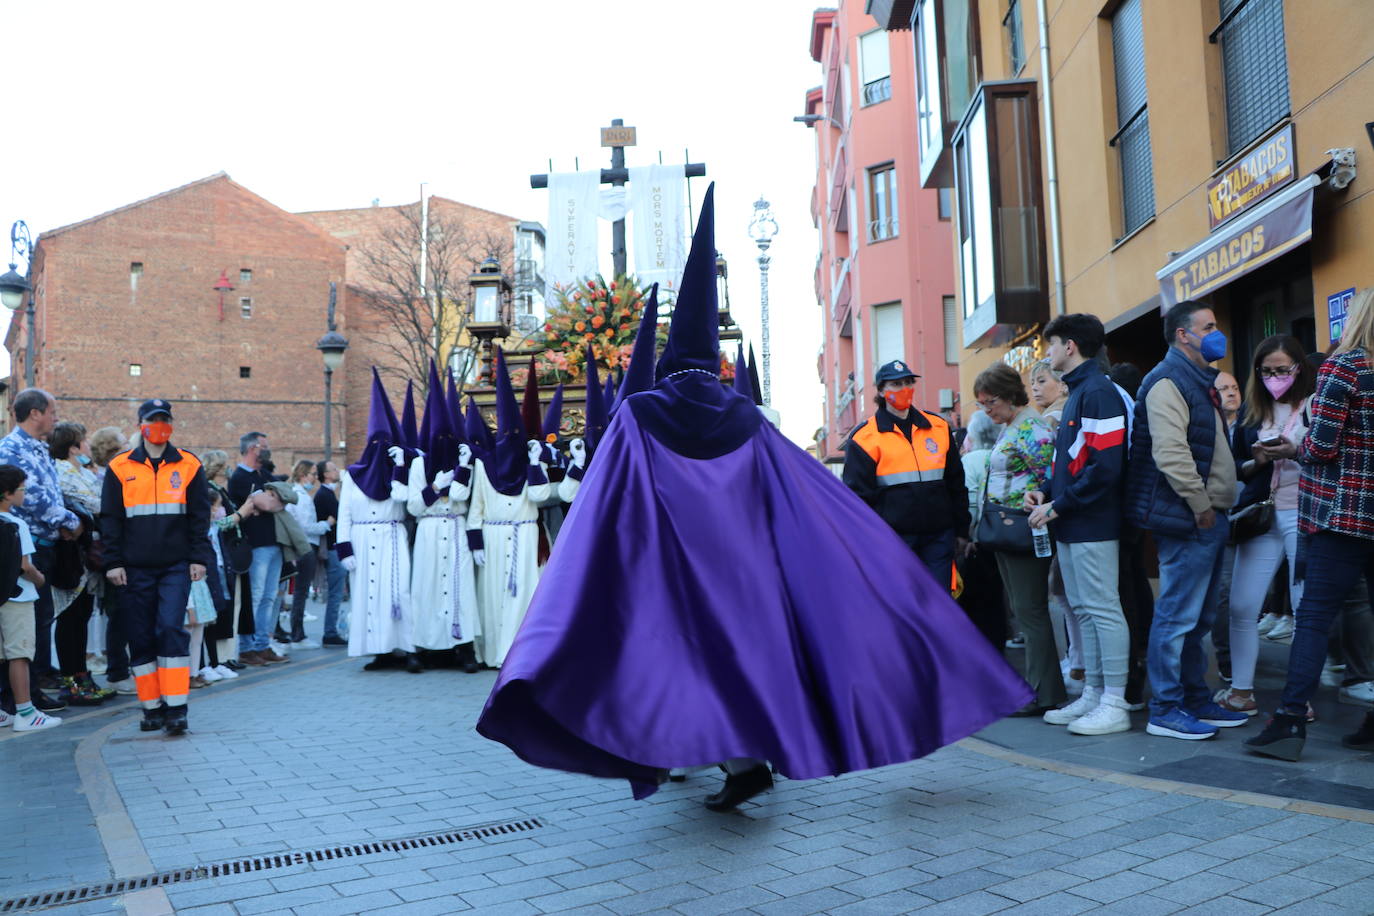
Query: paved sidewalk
[321, 753]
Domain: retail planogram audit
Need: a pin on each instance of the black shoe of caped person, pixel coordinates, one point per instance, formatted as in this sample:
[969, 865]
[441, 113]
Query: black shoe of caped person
[739, 788]
[336, 642]
[153, 719]
[1283, 737]
[1362, 740]
[413, 664]
[174, 721]
[379, 662]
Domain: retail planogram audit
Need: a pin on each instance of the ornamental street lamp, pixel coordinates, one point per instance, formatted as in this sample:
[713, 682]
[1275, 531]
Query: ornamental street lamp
[14, 289]
[490, 314]
[331, 346]
[763, 228]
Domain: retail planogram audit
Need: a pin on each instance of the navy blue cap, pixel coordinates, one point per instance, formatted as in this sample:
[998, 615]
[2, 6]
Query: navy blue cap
[152, 408]
[895, 369]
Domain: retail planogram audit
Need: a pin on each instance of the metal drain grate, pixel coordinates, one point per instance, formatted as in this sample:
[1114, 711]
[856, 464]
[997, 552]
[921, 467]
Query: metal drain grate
[47, 899]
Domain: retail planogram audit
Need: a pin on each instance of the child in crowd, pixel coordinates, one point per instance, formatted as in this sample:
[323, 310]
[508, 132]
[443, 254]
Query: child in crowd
[17, 622]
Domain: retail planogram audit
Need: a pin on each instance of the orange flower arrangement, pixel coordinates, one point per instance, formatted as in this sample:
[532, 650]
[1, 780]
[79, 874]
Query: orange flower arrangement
[612, 309]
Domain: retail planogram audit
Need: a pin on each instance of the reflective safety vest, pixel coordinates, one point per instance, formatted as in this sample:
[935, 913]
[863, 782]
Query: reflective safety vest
[899, 461]
[149, 492]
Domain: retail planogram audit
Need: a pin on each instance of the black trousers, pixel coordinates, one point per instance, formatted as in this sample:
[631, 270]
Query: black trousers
[70, 635]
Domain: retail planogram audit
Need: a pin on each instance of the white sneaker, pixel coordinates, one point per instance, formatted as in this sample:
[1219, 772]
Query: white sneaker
[125, 688]
[1109, 717]
[282, 649]
[1281, 630]
[305, 644]
[35, 722]
[210, 675]
[1331, 677]
[5, 719]
[310, 618]
[1267, 623]
[1361, 694]
[1079, 707]
[225, 672]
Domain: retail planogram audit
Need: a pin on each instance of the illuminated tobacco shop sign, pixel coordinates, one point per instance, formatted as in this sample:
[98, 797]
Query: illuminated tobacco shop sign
[1266, 167]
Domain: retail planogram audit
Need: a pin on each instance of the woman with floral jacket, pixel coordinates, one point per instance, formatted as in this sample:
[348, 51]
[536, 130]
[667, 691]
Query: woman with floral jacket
[1020, 462]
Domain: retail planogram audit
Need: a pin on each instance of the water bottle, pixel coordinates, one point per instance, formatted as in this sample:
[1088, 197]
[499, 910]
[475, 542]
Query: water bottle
[1040, 537]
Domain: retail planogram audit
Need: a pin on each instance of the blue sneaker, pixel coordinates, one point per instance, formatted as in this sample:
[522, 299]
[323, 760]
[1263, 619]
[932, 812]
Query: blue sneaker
[1179, 723]
[1213, 713]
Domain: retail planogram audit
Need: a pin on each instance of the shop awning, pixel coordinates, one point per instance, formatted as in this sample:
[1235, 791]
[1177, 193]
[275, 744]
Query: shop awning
[1252, 240]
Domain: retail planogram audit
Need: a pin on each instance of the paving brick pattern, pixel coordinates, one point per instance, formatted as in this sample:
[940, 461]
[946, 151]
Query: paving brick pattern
[340, 756]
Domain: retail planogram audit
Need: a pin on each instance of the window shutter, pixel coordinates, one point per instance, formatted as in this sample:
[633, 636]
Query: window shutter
[1132, 117]
[951, 330]
[1255, 66]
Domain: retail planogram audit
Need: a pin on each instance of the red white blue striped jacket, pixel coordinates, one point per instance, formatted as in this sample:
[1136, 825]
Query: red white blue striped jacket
[1336, 490]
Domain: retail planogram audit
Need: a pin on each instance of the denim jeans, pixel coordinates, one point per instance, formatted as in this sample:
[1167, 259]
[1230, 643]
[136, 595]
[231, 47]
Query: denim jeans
[1257, 560]
[1334, 564]
[1189, 577]
[335, 574]
[936, 551]
[305, 574]
[263, 573]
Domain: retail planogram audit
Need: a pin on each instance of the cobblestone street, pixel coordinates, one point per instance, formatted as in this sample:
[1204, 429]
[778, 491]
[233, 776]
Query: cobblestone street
[319, 754]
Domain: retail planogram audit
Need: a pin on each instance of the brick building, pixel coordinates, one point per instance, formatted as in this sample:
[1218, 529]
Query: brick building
[125, 310]
[885, 274]
[461, 236]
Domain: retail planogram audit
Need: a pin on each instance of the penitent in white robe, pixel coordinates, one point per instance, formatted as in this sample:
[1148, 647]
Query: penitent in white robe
[443, 587]
[505, 584]
[379, 607]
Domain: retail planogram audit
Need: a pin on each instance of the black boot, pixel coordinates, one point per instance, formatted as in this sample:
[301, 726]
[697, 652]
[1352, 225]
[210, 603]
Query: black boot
[379, 662]
[739, 788]
[1283, 737]
[174, 722]
[1362, 740]
[413, 663]
[467, 657]
[153, 719]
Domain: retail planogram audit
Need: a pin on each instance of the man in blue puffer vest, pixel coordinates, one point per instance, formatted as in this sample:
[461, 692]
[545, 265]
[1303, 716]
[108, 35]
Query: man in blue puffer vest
[1180, 482]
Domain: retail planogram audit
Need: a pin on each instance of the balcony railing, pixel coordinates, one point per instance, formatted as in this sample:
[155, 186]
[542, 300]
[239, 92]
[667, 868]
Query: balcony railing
[880, 90]
[880, 229]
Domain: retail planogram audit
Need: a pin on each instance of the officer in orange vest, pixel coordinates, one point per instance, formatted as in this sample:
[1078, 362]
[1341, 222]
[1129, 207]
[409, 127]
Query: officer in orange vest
[154, 528]
[903, 463]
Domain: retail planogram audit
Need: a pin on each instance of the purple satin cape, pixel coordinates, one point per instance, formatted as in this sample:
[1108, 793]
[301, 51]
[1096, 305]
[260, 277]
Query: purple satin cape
[798, 628]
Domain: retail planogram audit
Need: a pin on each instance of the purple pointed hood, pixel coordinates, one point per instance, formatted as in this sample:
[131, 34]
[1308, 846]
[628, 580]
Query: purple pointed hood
[640, 375]
[441, 440]
[410, 436]
[754, 377]
[509, 459]
[689, 410]
[743, 382]
[693, 334]
[596, 413]
[478, 433]
[455, 408]
[374, 470]
[553, 416]
[608, 394]
[427, 421]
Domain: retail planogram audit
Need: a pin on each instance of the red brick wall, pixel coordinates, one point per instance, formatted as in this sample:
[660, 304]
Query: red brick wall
[93, 324]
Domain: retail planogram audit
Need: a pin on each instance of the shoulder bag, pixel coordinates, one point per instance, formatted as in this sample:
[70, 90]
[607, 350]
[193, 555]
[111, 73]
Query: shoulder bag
[1257, 518]
[1003, 528]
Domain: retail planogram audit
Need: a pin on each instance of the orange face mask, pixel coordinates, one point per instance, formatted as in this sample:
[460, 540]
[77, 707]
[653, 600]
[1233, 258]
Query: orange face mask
[899, 399]
[157, 433]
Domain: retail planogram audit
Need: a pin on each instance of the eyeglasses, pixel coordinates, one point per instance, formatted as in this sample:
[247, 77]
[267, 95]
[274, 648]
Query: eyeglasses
[1279, 371]
[988, 404]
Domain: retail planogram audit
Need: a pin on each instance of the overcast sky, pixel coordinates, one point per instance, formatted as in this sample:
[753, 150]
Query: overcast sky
[330, 105]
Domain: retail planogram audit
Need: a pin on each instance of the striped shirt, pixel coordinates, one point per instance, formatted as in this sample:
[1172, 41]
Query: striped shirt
[1336, 490]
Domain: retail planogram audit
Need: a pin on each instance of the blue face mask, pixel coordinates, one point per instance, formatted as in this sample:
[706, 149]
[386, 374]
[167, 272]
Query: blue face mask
[84, 459]
[1212, 346]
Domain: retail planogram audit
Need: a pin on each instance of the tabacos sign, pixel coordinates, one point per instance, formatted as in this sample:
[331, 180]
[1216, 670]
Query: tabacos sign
[1268, 166]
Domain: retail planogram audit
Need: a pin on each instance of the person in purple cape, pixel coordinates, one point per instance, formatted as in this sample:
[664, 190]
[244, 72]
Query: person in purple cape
[372, 542]
[477, 433]
[503, 523]
[443, 585]
[804, 633]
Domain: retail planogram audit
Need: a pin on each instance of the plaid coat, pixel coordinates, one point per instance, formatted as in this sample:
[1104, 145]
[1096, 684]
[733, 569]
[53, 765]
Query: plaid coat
[1336, 490]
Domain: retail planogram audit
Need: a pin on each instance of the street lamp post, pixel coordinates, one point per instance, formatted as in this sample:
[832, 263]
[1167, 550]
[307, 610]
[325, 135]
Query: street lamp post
[763, 228]
[13, 287]
[332, 346]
